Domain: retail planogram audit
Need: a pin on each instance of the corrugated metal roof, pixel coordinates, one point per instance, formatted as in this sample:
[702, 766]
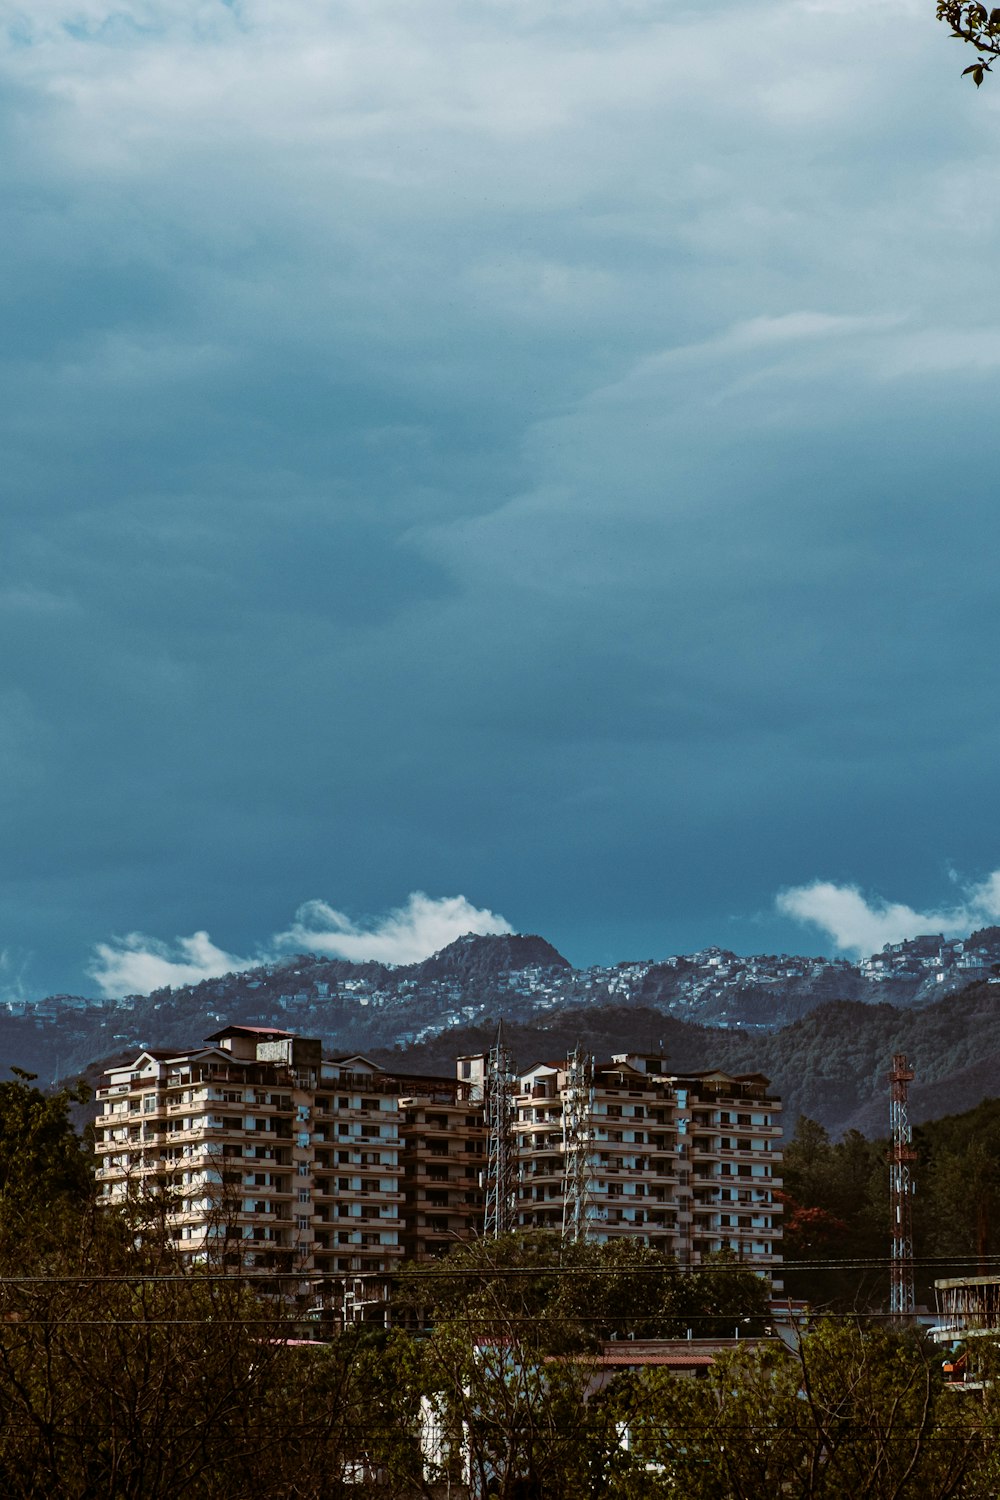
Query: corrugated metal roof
[675, 1361]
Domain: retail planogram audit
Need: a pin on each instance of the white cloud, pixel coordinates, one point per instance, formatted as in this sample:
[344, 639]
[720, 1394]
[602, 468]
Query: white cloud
[862, 925]
[137, 964]
[13, 968]
[404, 935]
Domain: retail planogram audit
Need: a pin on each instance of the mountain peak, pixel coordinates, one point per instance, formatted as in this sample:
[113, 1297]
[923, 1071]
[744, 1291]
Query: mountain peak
[476, 956]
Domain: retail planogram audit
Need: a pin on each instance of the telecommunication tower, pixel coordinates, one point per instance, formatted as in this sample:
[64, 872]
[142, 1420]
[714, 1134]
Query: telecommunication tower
[902, 1302]
[578, 1111]
[501, 1159]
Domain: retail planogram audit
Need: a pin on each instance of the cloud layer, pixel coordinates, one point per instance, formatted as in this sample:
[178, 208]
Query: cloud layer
[862, 924]
[403, 936]
[137, 964]
[506, 447]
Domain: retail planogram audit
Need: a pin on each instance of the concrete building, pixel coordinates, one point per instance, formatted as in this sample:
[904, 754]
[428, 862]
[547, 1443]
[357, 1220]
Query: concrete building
[443, 1159]
[687, 1164]
[255, 1151]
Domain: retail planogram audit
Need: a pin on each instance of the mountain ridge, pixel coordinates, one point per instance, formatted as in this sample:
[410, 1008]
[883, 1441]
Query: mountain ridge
[821, 1028]
[370, 1004]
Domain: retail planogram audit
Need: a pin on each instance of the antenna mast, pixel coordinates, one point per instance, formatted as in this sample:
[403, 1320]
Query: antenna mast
[902, 1301]
[501, 1160]
[578, 1109]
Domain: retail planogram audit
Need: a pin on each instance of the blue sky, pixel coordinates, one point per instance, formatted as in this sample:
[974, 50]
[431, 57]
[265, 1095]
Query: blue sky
[535, 455]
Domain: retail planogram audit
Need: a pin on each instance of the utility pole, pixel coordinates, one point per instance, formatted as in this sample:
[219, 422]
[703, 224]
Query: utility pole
[902, 1301]
[578, 1110]
[501, 1158]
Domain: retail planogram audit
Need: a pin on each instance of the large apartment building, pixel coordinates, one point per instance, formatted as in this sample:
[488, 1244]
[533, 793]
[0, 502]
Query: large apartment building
[689, 1164]
[256, 1151]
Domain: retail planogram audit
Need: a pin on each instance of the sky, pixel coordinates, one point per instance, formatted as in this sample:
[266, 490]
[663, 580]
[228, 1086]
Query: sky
[511, 466]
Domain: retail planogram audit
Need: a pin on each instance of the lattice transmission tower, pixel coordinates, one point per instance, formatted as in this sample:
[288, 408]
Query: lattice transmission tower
[577, 1115]
[902, 1301]
[501, 1154]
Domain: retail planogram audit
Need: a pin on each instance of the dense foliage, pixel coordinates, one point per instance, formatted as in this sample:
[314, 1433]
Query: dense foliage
[847, 1413]
[123, 1373]
[836, 1196]
[974, 24]
[560, 1298]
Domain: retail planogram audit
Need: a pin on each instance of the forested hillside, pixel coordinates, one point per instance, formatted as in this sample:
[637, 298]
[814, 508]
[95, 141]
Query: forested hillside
[831, 1065]
[365, 1006]
[837, 1207]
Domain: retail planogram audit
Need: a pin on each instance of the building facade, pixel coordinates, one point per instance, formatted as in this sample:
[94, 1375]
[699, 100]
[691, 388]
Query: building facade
[255, 1151]
[687, 1164]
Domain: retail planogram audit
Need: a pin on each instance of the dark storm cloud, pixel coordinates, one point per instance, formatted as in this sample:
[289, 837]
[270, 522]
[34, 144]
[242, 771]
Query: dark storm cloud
[518, 452]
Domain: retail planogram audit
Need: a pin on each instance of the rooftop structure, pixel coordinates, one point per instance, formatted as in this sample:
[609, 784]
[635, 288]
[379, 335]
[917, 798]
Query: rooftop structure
[967, 1307]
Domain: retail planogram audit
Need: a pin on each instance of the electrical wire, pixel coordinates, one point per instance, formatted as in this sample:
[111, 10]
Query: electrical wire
[487, 1274]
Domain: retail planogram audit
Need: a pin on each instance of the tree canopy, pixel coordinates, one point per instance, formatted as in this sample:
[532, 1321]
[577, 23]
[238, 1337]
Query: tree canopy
[979, 27]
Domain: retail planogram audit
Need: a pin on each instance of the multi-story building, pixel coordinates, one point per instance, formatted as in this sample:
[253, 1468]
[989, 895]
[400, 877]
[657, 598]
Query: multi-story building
[257, 1151]
[443, 1159]
[254, 1150]
[687, 1164]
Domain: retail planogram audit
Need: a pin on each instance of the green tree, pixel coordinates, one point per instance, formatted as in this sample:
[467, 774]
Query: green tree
[836, 1208]
[512, 1364]
[559, 1298]
[958, 1199]
[46, 1173]
[979, 27]
[851, 1413]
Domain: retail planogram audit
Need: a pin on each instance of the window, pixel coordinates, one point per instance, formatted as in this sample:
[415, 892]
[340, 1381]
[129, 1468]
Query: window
[304, 1195]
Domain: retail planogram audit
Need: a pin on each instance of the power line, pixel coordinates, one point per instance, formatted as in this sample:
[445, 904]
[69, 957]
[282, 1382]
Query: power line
[414, 1275]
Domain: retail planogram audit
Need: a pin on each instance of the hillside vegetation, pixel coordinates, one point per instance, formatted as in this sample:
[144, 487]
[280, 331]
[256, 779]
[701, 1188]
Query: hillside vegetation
[831, 1065]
